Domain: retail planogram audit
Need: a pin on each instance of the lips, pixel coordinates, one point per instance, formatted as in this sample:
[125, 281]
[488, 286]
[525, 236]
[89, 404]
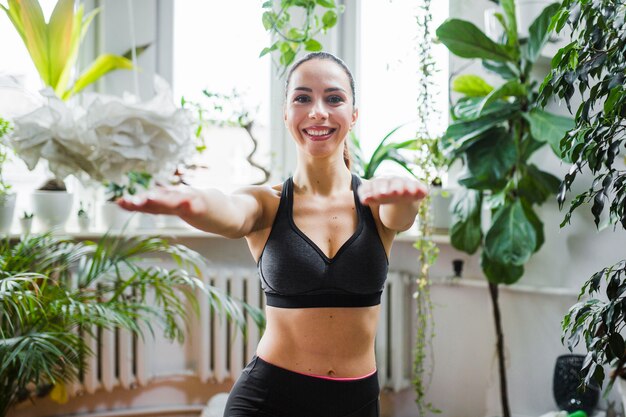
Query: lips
[318, 133]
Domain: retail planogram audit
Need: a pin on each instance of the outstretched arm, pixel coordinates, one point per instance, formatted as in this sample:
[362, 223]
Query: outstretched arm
[398, 197]
[230, 215]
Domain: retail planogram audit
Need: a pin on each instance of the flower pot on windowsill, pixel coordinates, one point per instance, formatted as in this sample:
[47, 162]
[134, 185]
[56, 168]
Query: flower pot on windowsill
[114, 217]
[440, 199]
[52, 205]
[7, 208]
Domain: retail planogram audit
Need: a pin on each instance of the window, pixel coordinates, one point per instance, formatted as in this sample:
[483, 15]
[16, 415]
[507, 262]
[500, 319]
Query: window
[216, 52]
[388, 66]
[20, 67]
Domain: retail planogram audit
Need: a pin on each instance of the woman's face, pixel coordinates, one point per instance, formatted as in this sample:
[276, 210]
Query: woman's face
[319, 111]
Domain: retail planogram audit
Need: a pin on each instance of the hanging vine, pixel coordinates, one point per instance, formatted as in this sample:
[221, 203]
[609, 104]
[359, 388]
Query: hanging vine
[430, 162]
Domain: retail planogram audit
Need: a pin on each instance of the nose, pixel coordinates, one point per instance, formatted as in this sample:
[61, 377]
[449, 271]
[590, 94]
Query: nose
[318, 111]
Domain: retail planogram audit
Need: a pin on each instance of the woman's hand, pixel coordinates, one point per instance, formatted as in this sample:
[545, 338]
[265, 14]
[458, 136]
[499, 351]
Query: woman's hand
[179, 201]
[392, 190]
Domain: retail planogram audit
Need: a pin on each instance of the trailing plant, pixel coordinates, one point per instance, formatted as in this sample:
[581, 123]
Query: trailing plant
[593, 64]
[54, 292]
[53, 46]
[289, 38]
[494, 132]
[225, 110]
[429, 163]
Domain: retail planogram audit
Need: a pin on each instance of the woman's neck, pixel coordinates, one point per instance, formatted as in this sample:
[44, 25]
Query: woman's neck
[322, 178]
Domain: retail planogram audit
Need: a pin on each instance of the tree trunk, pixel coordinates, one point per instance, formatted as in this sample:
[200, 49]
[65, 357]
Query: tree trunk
[504, 396]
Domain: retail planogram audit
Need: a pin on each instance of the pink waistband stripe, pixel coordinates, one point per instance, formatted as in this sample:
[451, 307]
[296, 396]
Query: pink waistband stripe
[340, 378]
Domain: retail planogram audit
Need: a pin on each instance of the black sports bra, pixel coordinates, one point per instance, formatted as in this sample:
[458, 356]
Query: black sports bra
[295, 273]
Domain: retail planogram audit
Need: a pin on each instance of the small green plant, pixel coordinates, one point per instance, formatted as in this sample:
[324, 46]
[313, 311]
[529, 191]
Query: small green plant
[82, 212]
[117, 191]
[319, 17]
[27, 215]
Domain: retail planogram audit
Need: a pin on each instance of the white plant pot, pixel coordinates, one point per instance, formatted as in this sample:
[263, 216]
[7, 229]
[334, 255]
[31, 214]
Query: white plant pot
[83, 223]
[146, 221]
[114, 217]
[7, 209]
[26, 224]
[52, 208]
[440, 208]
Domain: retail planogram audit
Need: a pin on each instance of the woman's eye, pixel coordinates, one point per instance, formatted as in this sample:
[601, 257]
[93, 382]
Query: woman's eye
[301, 99]
[335, 99]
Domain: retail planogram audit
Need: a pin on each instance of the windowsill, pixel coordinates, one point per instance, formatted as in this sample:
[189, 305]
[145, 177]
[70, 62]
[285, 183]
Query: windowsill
[189, 232]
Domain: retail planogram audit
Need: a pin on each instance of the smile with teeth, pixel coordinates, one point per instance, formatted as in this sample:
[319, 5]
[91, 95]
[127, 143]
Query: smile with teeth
[319, 133]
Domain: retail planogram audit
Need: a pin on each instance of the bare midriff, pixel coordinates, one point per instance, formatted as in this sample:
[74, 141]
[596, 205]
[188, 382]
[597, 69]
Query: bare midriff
[336, 342]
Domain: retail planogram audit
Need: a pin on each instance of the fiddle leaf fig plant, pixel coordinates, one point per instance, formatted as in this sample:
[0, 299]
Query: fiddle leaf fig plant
[593, 65]
[290, 38]
[495, 130]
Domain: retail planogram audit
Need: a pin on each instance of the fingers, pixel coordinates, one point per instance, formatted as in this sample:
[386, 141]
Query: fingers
[157, 201]
[391, 190]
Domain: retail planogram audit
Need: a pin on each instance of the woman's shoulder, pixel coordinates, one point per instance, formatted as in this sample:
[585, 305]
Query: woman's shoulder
[263, 193]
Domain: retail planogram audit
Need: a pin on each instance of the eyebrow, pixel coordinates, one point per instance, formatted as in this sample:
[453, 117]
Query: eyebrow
[328, 90]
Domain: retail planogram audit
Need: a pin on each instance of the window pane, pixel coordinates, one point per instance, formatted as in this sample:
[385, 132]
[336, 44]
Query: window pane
[388, 70]
[19, 66]
[214, 51]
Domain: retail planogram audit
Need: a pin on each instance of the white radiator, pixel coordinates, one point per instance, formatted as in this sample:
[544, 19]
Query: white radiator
[122, 360]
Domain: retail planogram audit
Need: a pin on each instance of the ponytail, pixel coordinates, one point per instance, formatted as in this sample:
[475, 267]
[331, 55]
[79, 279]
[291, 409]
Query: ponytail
[346, 155]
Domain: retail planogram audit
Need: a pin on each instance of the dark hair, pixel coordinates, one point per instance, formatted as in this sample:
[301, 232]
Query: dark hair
[330, 57]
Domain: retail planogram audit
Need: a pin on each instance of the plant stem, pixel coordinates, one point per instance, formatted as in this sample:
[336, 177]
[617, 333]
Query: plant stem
[493, 291]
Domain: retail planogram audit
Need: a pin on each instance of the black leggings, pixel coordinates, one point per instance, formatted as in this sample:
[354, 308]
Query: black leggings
[266, 390]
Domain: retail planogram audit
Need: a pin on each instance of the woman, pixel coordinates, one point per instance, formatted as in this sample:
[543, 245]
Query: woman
[322, 253]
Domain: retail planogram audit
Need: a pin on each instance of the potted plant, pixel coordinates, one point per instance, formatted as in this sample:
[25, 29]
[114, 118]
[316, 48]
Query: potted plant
[84, 220]
[53, 290]
[113, 216]
[594, 66]
[494, 132]
[26, 222]
[7, 198]
[53, 47]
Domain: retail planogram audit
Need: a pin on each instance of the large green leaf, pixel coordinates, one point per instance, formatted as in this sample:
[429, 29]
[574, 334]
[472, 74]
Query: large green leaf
[512, 88]
[499, 273]
[536, 222]
[511, 23]
[462, 134]
[60, 30]
[548, 127]
[471, 85]
[104, 64]
[539, 33]
[35, 34]
[489, 160]
[506, 70]
[512, 239]
[464, 39]
[536, 185]
[466, 233]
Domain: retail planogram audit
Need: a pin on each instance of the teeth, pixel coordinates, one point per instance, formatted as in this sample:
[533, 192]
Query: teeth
[318, 132]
